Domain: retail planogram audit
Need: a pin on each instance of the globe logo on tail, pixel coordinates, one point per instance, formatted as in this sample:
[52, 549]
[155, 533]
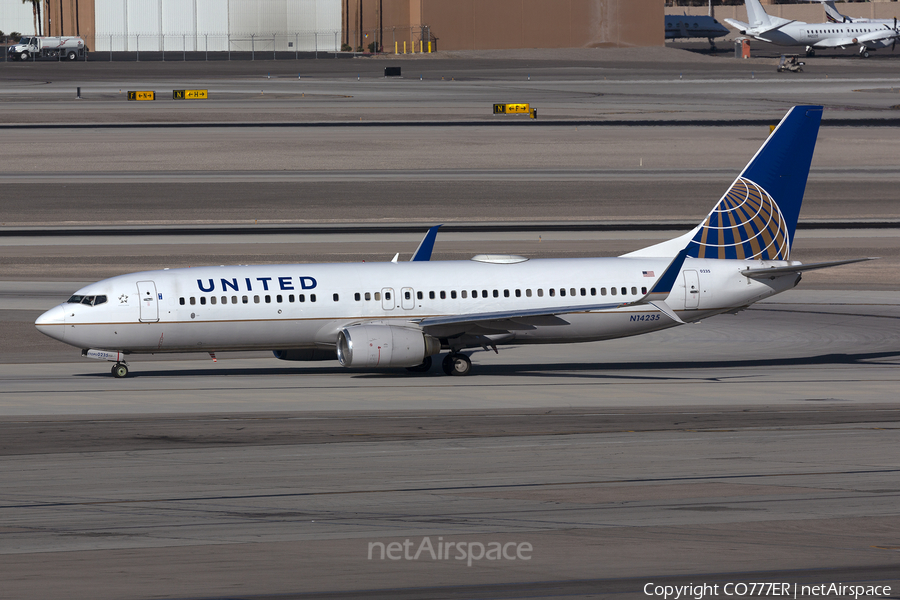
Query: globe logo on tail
[745, 224]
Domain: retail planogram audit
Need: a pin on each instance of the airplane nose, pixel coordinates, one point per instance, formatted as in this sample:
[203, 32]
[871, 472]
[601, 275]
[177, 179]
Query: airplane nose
[52, 323]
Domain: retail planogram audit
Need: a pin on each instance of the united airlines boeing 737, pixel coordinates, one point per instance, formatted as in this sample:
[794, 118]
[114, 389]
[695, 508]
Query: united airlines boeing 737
[400, 314]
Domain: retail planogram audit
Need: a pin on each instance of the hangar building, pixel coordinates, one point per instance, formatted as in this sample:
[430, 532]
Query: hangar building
[218, 25]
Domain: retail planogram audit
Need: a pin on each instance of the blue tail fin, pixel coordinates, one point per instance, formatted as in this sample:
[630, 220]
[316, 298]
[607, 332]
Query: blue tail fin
[757, 217]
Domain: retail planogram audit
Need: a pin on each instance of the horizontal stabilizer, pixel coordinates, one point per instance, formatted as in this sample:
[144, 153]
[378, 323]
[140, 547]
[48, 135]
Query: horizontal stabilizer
[739, 25]
[798, 268]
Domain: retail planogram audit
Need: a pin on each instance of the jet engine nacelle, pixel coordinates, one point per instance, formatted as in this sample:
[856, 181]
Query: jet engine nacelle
[305, 354]
[374, 346]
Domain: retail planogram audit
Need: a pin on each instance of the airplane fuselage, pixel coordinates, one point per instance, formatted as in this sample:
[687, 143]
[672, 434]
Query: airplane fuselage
[305, 305]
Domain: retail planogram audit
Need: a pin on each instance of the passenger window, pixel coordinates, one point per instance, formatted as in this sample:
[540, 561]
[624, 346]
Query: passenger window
[528, 292]
[407, 295]
[181, 301]
[278, 298]
[484, 293]
[496, 293]
[643, 290]
[602, 291]
[301, 298]
[431, 295]
[202, 299]
[540, 293]
[212, 300]
[244, 299]
[368, 296]
[506, 293]
[612, 291]
[453, 294]
[562, 291]
[256, 299]
[312, 297]
[443, 295]
[572, 291]
[234, 300]
[624, 291]
[420, 295]
[634, 291]
[335, 297]
[474, 293]
[357, 297]
[518, 293]
[464, 294]
[593, 291]
[378, 296]
[552, 292]
[224, 299]
[387, 296]
[290, 298]
[268, 299]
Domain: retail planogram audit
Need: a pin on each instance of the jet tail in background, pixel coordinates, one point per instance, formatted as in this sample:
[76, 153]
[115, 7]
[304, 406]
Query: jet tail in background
[832, 13]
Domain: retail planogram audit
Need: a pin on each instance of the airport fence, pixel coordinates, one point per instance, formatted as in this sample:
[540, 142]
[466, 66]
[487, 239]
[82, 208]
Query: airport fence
[253, 46]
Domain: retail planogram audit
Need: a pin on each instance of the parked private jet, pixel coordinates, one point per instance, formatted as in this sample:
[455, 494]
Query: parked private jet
[701, 26]
[868, 36]
[833, 15]
[400, 314]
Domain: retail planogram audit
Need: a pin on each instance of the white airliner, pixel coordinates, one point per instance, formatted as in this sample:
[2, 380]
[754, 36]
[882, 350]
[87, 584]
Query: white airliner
[400, 314]
[767, 28]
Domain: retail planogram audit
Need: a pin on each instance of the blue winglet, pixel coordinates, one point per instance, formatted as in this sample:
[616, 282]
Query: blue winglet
[666, 282]
[423, 252]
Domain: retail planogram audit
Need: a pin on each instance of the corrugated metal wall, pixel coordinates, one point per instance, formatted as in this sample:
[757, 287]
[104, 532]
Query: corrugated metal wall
[217, 25]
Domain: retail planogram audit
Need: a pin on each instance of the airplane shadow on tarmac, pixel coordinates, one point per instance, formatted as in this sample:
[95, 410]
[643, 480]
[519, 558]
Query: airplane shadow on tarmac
[579, 369]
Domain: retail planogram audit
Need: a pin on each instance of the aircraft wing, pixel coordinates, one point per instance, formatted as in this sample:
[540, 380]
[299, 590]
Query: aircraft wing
[798, 268]
[882, 37]
[526, 319]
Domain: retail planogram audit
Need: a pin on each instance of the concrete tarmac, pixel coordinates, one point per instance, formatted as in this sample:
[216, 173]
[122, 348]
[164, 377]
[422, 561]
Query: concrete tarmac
[758, 447]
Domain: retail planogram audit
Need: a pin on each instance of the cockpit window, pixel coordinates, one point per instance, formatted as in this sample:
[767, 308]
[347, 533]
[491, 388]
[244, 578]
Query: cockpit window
[87, 300]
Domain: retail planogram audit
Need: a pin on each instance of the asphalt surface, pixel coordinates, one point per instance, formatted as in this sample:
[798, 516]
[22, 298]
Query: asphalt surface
[755, 447]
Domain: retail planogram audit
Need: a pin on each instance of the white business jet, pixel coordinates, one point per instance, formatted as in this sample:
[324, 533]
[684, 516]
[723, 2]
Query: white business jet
[868, 36]
[695, 26]
[834, 16]
[400, 314]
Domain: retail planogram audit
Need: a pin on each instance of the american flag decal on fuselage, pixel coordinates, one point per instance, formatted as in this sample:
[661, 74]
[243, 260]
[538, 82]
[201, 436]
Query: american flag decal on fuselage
[745, 224]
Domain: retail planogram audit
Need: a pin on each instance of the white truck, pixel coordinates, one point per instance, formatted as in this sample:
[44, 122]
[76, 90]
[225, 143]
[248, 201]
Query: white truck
[55, 48]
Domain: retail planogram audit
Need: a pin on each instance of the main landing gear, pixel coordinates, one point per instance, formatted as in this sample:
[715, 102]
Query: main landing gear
[456, 364]
[453, 364]
[120, 370]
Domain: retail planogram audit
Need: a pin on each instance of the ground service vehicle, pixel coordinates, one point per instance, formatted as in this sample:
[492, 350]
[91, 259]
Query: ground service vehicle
[55, 48]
